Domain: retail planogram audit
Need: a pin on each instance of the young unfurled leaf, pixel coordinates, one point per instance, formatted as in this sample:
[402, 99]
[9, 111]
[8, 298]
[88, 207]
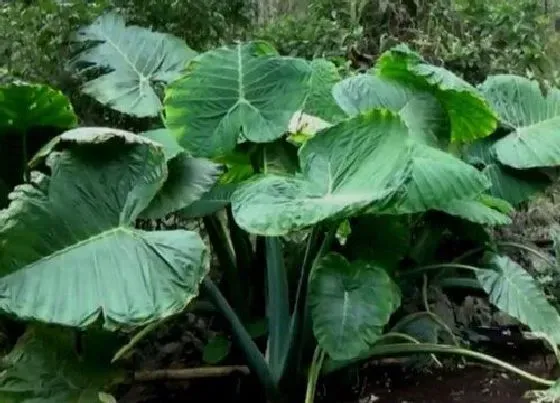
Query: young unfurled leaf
[135, 60]
[533, 116]
[350, 303]
[346, 168]
[70, 236]
[233, 94]
[302, 127]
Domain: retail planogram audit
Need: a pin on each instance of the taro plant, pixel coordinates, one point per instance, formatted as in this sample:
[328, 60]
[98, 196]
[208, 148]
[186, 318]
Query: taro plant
[388, 155]
[331, 210]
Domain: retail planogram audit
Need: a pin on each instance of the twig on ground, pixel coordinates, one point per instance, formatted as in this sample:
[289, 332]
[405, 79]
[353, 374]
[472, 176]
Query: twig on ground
[189, 373]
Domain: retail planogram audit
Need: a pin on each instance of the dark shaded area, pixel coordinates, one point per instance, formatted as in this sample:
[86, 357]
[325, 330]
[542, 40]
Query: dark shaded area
[391, 383]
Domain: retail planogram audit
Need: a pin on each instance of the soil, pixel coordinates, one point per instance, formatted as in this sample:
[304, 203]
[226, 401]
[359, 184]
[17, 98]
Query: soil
[474, 383]
[379, 383]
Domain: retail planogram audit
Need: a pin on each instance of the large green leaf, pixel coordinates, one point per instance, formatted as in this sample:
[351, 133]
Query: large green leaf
[24, 105]
[45, 367]
[515, 292]
[510, 184]
[427, 121]
[350, 305]
[320, 101]
[476, 211]
[513, 185]
[70, 237]
[345, 168]
[438, 179]
[533, 116]
[469, 113]
[442, 182]
[135, 61]
[188, 178]
[232, 94]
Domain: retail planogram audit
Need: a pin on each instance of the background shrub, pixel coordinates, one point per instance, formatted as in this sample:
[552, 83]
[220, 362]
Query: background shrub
[473, 38]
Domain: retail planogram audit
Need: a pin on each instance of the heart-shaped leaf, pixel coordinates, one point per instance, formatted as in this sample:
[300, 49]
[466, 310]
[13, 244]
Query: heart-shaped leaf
[135, 60]
[350, 305]
[233, 94]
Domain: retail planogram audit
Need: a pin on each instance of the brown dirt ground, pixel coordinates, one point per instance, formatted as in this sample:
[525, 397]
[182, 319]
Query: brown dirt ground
[475, 383]
[386, 383]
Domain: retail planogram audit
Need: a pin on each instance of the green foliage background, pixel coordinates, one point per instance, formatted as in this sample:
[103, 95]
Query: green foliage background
[473, 38]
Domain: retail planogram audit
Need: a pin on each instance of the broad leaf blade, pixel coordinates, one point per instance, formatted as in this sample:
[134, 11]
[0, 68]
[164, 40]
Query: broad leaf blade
[345, 168]
[469, 113]
[188, 179]
[427, 121]
[135, 60]
[70, 237]
[439, 178]
[515, 292]
[515, 186]
[476, 211]
[350, 305]
[510, 184]
[233, 94]
[533, 116]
